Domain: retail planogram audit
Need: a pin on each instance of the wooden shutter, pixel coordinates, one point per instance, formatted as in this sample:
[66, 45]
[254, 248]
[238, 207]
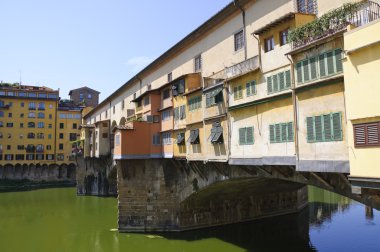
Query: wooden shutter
[235, 93]
[360, 135]
[281, 78]
[322, 65]
[240, 93]
[242, 136]
[338, 60]
[367, 134]
[310, 129]
[290, 132]
[253, 87]
[337, 126]
[373, 134]
[288, 81]
[277, 131]
[249, 136]
[271, 133]
[318, 128]
[248, 88]
[275, 83]
[269, 84]
[284, 133]
[313, 68]
[305, 68]
[330, 63]
[299, 72]
[327, 134]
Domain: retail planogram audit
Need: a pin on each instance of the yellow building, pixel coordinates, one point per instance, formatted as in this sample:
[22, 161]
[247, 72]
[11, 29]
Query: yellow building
[30, 126]
[361, 67]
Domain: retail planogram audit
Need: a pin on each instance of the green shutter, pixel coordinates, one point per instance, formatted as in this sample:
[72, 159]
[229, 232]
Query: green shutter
[338, 60]
[318, 128]
[290, 132]
[235, 93]
[242, 136]
[240, 93]
[330, 63]
[310, 129]
[253, 87]
[337, 126]
[249, 136]
[322, 65]
[277, 131]
[271, 133]
[299, 72]
[284, 134]
[248, 88]
[281, 78]
[287, 79]
[327, 127]
[313, 68]
[305, 68]
[275, 83]
[269, 84]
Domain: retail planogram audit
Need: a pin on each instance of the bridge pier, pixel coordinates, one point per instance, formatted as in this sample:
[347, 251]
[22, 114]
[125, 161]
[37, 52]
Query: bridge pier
[156, 195]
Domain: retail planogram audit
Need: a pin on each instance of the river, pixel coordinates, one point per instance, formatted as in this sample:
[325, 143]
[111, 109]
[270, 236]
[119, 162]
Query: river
[56, 220]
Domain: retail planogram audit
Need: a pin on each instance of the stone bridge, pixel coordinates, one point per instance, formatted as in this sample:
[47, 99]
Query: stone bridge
[175, 195]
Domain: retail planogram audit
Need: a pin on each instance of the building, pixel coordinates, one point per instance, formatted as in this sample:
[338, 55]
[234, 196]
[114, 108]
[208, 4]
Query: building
[36, 128]
[84, 96]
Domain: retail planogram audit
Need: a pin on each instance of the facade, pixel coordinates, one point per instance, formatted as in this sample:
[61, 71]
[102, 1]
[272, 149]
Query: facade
[244, 89]
[35, 127]
[85, 96]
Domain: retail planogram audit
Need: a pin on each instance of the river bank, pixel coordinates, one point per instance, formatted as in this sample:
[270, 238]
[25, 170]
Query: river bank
[8, 185]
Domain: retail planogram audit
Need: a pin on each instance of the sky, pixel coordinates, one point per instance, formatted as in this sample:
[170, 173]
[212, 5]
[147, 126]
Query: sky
[95, 43]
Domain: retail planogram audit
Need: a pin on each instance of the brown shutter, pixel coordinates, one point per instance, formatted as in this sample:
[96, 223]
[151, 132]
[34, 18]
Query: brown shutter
[367, 134]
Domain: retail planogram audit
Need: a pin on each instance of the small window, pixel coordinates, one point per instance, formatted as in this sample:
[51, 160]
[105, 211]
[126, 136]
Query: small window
[269, 44]
[122, 104]
[156, 139]
[10, 115]
[281, 132]
[166, 138]
[250, 88]
[117, 140]
[181, 138]
[238, 92]
[284, 37]
[75, 126]
[246, 136]
[216, 136]
[170, 77]
[194, 137]
[146, 101]
[165, 115]
[61, 146]
[105, 135]
[324, 128]
[198, 63]
[80, 96]
[61, 125]
[239, 40]
[166, 94]
[367, 134]
[61, 136]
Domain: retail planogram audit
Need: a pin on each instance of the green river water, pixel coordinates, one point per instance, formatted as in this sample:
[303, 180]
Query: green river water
[57, 220]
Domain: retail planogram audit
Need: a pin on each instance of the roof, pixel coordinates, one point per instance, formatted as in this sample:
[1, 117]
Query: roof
[206, 27]
[85, 87]
[122, 127]
[274, 23]
[90, 126]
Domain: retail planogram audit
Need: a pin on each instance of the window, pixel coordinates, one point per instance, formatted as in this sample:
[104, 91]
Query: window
[195, 103]
[9, 125]
[61, 125]
[49, 157]
[181, 138]
[32, 105]
[165, 115]
[20, 147]
[307, 6]
[279, 82]
[39, 148]
[49, 136]
[31, 136]
[179, 87]
[246, 136]
[170, 77]
[216, 136]
[106, 113]
[324, 128]
[41, 115]
[39, 157]
[239, 40]
[250, 88]
[198, 63]
[75, 126]
[194, 137]
[269, 44]
[60, 157]
[320, 66]
[31, 115]
[21, 94]
[61, 146]
[113, 109]
[8, 157]
[48, 147]
[9, 147]
[156, 139]
[42, 95]
[238, 92]
[61, 135]
[41, 106]
[50, 116]
[281, 132]
[10, 115]
[180, 113]
[122, 104]
[166, 94]
[32, 95]
[367, 134]
[1, 135]
[20, 157]
[81, 96]
[89, 96]
[41, 125]
[73, 136]
[166, 138]
[9, 135]
[156, 118]
[52, 96]
[146, 101]
[22, 104]
[284, 37]
[50, 126]
[31, 125]
[214, 97]
[40, 135]
[22, 115]
[29, 156]
[10, 93]
[1, 124]
[1, 114]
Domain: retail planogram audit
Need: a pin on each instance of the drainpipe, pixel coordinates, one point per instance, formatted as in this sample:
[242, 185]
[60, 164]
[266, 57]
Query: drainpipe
[259, 49]
[244, 27]
[295, 108]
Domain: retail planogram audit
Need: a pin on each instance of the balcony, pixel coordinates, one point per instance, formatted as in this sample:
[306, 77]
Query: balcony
[242, 67]
[334, 22]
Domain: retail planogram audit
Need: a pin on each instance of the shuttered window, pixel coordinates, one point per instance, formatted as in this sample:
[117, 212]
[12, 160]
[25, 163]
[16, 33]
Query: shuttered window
[195, 103]
[246, 136]
[323, 65]
[250, 88]
[156, 139]
[216, 135]
[238, 92]
[324, 128]
[281, 132]
[279, 82]
[367, 134]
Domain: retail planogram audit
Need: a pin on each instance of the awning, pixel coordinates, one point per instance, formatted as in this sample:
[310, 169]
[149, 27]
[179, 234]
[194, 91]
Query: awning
[194, 136]
[216, 135]
[214, 92]
[180, 139]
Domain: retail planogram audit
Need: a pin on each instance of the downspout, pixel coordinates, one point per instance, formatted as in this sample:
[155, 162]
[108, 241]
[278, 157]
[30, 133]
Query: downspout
[295, 109]
[244, 27]
[258, 49]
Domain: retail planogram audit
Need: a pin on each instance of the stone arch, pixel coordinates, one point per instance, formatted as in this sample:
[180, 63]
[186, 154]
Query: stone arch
[1, 172]
[25, 171]
[18, 171]
[45, 171]
[71, 172]
[123, 121]
[8, 171]
[62, 171]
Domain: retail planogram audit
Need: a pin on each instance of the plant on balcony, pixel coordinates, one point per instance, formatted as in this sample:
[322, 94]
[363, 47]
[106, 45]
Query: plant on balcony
[327, 24]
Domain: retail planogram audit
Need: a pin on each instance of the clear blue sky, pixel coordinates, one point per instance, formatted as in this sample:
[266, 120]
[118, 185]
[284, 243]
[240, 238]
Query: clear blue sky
[97, 43]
